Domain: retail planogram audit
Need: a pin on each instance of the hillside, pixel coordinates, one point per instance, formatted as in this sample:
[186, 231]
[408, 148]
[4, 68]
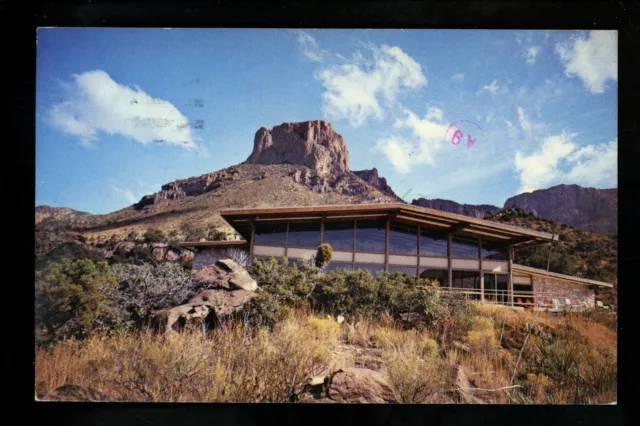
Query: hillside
[591, 209]
[477, 211]
[579, 253]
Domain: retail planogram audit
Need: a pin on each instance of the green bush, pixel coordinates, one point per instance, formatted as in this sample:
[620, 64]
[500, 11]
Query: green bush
[154, 235]
[351, 293]
[192, 233]
[74, 298]
[324, 255]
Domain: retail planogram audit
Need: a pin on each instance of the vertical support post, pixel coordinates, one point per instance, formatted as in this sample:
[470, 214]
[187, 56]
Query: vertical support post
[353, 252]
[510, 282]
[418, 254]
[387, 227]
[253, 235]
[286, 240]
[322, 230]
[480, 265]
[449, 263]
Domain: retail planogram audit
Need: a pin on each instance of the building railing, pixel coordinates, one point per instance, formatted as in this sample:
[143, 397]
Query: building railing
[545, 300]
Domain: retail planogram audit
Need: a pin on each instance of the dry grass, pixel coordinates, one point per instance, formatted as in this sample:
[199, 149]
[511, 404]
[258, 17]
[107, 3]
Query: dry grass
[568, 359]
[233, 363]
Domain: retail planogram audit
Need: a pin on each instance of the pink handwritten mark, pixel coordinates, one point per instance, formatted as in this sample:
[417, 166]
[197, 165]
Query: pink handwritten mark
[458, 135]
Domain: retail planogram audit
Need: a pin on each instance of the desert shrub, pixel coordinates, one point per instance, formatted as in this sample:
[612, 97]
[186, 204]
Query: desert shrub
[74, 298]
[240, 256]
[154, 235]
[482, 335]
[324, 255]
[192, 233]
[356, 294]
[216, 235]
[71, 251]
[138, 255]
[145, 288]
[414, 371]
[324, 329]
[536, 386]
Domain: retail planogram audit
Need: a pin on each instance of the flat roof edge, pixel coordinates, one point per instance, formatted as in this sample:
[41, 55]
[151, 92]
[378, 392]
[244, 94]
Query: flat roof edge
[542, 272]
[224, 213]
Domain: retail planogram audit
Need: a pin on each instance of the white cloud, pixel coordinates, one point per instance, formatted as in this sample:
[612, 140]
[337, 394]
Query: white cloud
[95, 103]
[541, 168]
[531, 54]
[126, 193]
[525, 124]
[434, 113]
[457, 77]
[493, 87]
[595, 165]
[355, 91]
[425, 140]
[309, 47]
[593, 59]
[589, 165]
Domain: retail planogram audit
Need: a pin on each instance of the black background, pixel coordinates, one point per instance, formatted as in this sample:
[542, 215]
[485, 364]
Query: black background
[20, 20]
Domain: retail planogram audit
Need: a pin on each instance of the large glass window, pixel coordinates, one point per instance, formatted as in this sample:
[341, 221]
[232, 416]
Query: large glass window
[337, 265]
[491, 250]
[339, 235]
[304, 234]
[466, 279]
[464, 247]
[403, 239]
[440, 275]
[430, 246]
[370, 235]
[407, 270]
[271, 234]
[373, 268]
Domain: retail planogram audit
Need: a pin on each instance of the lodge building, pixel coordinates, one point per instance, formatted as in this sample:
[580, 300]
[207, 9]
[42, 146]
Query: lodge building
[466, 255]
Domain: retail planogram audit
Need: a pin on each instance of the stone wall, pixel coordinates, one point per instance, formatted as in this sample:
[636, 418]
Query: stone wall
[555, 287]
[208, 256]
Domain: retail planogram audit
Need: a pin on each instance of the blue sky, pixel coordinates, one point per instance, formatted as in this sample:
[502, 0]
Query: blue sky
[472, 116]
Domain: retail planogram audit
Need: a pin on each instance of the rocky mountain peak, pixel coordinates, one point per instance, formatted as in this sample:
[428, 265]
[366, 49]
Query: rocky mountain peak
[313, 144]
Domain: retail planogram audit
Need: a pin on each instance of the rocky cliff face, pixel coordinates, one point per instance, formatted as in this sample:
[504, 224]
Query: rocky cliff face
[471, 210]
[592, 209]
[313, 144]
[372, 178]
[190, 187]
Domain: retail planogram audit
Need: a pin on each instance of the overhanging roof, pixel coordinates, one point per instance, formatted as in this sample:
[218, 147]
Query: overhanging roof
[438, 220]
[542, 272]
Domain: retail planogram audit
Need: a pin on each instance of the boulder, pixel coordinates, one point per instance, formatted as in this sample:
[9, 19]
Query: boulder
[225, 274]
[229, 288]
[184, 317]
[360, 385]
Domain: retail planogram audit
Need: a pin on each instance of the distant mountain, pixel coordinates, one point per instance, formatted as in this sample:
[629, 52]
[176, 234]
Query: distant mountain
[591, 209]
[56, 213]
[477, 211]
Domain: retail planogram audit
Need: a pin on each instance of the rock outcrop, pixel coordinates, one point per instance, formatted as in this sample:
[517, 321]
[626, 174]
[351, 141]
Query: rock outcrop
[228, 287]
[360, 385]
[372, 178]
[310, 143]
[591, 209]
[189, 187]
[471, 210]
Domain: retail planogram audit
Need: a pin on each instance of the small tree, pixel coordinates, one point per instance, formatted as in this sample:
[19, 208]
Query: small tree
[75, 297]
[154, 235]
[324, 255]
